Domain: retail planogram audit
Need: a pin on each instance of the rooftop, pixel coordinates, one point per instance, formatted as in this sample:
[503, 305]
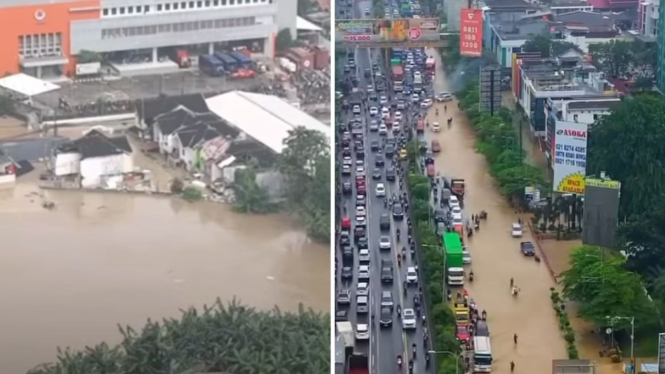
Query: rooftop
[268, 119]
[149, 109]
[590, 105]
[520, 30]
[96, 144]
[569, 3]
[26, 85]
[588, 20]
[612, 5]
[306, 25]
[501, 4]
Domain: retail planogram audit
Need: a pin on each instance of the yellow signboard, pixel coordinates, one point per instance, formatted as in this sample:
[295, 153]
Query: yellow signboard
[572, 183]
[603, 183]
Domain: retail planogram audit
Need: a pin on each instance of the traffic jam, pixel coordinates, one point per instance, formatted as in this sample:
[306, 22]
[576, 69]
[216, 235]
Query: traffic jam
[379, 299]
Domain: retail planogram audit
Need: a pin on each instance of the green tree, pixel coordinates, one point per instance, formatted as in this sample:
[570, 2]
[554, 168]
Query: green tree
[643, 239]
[614, 57]
[249, 196]
[634, 125]
[284, 39]
[603, 287]
[539, 43]
[85, 57]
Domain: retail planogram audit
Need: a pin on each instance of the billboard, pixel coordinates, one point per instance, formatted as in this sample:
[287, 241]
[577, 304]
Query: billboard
[373, 31]
[569, 158]
[601, 209]
[471, 33]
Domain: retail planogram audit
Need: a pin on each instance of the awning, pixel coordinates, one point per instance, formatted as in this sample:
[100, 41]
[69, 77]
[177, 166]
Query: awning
[303, 24]
[34, 62]
[27, 85]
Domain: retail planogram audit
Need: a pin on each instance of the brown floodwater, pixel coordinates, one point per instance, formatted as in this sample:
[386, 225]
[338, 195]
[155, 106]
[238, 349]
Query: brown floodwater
[69, 276]
[496, 257]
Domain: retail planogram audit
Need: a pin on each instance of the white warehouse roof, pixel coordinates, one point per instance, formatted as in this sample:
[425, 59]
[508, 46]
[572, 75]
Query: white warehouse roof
[306, 25]
[27, 85]
[266, 118]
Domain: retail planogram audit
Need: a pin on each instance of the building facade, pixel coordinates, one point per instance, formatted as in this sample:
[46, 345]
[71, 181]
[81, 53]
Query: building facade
[48, 34]
[648, 15]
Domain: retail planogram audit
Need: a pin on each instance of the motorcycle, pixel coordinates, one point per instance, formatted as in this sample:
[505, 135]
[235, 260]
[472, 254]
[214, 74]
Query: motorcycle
[399, 361]
[471, 277]
[414, 349]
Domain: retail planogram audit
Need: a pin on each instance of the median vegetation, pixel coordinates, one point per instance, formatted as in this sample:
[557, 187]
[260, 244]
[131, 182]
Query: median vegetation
[229, 338]
[431, 262]
[564, 324]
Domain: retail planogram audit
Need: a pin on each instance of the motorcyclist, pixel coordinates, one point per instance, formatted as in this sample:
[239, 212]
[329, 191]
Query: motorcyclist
[385, 202]
[399, 360]
[399, 310]
[414, 349]
[471, 276]
[397, 233]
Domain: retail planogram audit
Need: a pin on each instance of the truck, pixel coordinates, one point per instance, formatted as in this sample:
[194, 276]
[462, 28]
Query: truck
[358, 364]
[453, 258]
[211, 65]
[430, 64]
[457, 187]
[180, 57]
[243, 60]
[345, 332]
[395, 61]
[398, 73]
[230, 63]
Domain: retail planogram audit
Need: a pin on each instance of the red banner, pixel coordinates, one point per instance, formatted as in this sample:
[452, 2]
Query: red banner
[471, 33]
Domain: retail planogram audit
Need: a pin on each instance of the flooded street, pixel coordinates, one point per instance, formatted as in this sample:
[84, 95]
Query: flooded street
[496, 256]
[69, 276]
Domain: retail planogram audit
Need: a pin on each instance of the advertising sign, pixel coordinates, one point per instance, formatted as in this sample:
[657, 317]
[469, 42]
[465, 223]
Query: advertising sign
[602, 183]
[661, 353]
[471, 33]
[569, 158]
[361, 31]
[88, 69]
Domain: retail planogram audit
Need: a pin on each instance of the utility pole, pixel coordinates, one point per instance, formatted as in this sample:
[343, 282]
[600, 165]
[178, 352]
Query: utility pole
[612, 320]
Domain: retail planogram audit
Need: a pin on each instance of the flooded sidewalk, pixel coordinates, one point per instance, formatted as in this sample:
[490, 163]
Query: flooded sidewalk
[496, 256]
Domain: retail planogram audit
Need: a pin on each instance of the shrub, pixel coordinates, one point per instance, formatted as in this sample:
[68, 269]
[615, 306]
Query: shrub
[572, 351]
[192, 194]
[177, 185]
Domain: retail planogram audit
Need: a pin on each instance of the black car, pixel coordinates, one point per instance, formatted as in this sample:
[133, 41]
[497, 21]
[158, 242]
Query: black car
[390, 174]
[386, 271]
[527, 249]
[342, 315]
[398, 211]
[347, 273]
[344, 238]
[362, 243]
[347, 189]
[375, 146]
[344, 297]
[376, 174]
[368, 73]
[373, 97]
[439, 215]
[384, 222]
[360, 153]
[347, 253]
[379, 161]
[390, 150]
[386, 318]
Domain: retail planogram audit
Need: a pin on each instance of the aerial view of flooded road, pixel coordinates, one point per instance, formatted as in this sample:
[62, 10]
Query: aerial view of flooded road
[496, 255]
[73, 273]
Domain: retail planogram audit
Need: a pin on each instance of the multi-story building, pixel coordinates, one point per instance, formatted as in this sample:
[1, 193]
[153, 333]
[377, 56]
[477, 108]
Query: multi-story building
[660, 58]
[647, 17]
[566, 6]
[40, 35]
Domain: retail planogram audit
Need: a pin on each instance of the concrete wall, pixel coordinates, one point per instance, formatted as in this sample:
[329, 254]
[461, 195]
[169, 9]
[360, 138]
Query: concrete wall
[93, 168]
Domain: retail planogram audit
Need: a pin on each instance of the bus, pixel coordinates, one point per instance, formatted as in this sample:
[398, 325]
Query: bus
[482, 354]
[244, 61]
[230, 64]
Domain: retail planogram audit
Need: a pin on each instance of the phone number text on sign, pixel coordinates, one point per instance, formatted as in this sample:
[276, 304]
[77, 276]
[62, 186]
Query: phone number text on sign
[358, 38]
[470, 45]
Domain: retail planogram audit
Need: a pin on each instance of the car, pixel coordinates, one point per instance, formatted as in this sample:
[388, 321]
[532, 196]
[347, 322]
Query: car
[384, 222]
[527, 249]
[398, 116]
[409, 321]
[356, 109]
[347, 253]
[383, 100]
[362, 289]
[362, 304]
[436, 127]
[361, 211]
[370, 88]
[373, 126]
[440, 215]
[375, 146]
[347, 273]
[386, 317]
[376, 174]
[363, 256]
[361, 221]
[457, 221]
[389, 150]
[385, 113]
[390, 174]
[362, 331]
[466, 257]
[411, 275]
[426, 103]
[346, 169]
[398, 211]
[360, 170]
[396, 128]
[373, 111]
[415, 98]
[456, 210]
[516, 230]
[383, 129]
[363, 273]
[453, 202]
[360, 200]
[347, 160]
[362, 243]
[380, 190]
[387, 299]
[443, 97]
[401, 104]
[384, 242]
[462, 333]
[341, 315]
[344, 297]
[373, 97]
[379, 161]
[346, 188]
[386, 271]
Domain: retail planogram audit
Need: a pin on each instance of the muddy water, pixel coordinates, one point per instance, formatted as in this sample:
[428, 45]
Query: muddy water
[68, 276]
[496, 257]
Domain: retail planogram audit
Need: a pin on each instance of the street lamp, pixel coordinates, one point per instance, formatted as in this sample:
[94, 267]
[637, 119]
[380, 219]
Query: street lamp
[456, 356]
[611, 320]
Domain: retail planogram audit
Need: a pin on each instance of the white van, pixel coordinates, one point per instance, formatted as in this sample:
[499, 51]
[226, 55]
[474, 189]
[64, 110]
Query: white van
[453, 202]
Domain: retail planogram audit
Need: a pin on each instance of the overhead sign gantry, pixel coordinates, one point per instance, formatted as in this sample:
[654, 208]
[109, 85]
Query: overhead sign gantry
[390, 33]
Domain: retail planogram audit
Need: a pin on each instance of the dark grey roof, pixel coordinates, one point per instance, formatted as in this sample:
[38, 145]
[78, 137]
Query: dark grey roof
[498, 4]
[569, 3]
[592, 104]
[96, 144]
[251, 148]
[149, 109]
[194, 135]
[523, 29]
[587, 19]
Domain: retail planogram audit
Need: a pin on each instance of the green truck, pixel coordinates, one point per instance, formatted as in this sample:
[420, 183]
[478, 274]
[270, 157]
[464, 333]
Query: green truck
[454, 269]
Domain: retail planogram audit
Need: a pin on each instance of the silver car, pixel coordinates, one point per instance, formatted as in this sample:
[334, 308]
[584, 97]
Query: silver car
[384, 242]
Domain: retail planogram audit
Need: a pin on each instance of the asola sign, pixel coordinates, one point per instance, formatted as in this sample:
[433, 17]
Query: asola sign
[471, 33]
[569, 157]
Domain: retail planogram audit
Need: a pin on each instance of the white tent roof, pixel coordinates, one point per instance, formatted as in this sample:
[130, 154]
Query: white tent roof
[27, 85]
[303, 24]
[265, 118]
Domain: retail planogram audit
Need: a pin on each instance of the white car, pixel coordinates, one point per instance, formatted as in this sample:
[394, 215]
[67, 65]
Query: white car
[466, 257]
[361, 221]
[456, 210]
[356, 109]
[360, 171]
[362, 331]
[383, 100]
[347, 161]
[346, 169]
[384, 242]
[363, 256]
[415, 98]
[363, 272]
[426, 103]
[370, 88]
[444, 97]
[380, 190]
[409, 319]
[385, 113]
[373, 126]
[436, 127]
[373, 111]
[396, 128]
[360, 211]
[457, 221]
[362, 289]
[383, 129]
[457, 216]
[516, 231]
[411, 275]
[453, 202]
[398, 116]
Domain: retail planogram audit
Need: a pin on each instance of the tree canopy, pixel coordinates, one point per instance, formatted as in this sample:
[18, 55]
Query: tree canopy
[250, 197]
[548, 47]
[619, 58]
[222, 338]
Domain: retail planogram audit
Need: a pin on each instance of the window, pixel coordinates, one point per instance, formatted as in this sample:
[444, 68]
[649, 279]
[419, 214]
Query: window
[146, 8]
[122, 10]
[175, 6]
[216, 3]
[232, 2]
[207, 3]
[167, 7]
[596, 117]
[159, 7]
[191, 5]
[130, 10]
[183, 5]
[105, 12]
[223, 2]
[113, 11]
[199, 4]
